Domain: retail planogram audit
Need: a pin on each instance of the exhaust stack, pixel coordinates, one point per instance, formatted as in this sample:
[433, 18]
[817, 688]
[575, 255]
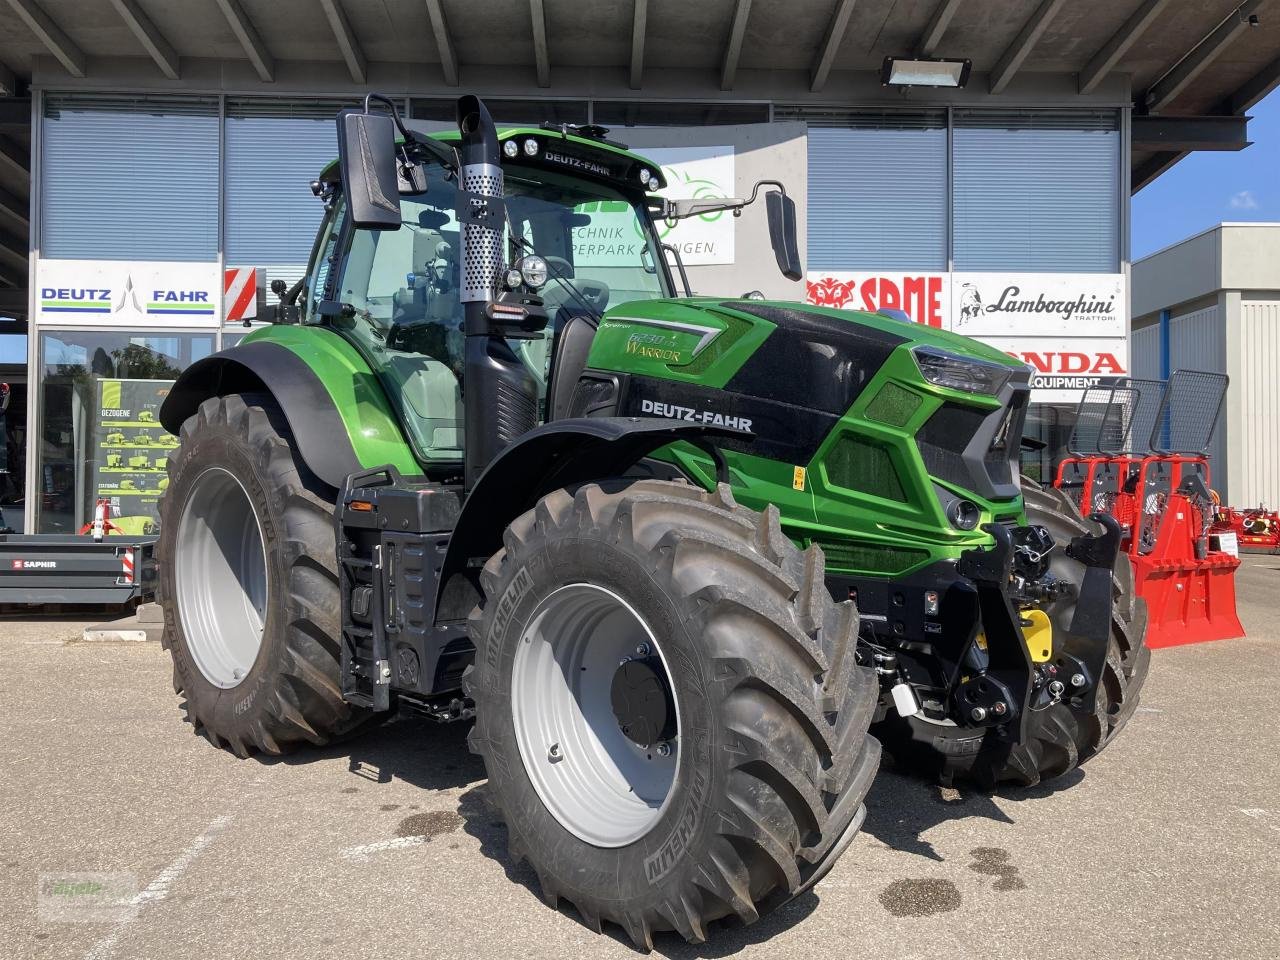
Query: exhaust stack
[500, 395]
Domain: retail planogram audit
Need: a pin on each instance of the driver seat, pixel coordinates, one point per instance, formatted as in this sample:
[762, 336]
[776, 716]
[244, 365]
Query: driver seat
[568, 360]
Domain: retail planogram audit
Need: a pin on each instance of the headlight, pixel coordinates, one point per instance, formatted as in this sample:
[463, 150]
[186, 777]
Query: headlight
[531, 147]
[645, 176]
[511, 149]
[534, 271]
[512, 278]
[961, 373]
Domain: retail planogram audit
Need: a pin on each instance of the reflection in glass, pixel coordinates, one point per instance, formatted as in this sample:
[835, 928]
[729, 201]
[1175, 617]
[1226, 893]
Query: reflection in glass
[82, 376]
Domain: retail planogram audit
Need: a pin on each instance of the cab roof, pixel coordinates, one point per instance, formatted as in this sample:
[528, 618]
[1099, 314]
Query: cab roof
[619, 161]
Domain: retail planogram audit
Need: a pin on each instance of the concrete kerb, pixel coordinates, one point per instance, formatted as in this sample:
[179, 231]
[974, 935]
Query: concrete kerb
[145, 624]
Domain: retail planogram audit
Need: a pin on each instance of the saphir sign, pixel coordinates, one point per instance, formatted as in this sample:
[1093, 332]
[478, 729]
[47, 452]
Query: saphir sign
[121, 293]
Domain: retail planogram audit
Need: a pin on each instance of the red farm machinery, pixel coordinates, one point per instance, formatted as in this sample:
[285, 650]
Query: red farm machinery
[1139, 453]
[1256, 529]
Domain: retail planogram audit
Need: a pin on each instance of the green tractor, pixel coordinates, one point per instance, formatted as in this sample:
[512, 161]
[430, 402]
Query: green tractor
[474, 472]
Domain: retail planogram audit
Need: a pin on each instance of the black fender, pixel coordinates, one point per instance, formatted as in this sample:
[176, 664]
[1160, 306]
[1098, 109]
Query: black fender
[319, 434]
[558, 454]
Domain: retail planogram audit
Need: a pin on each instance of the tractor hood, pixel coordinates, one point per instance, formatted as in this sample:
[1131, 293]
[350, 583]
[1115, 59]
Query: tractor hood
[713, 341]
[790, 375]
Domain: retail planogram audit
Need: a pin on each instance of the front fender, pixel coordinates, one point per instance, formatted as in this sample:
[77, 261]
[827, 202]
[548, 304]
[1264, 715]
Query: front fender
[558, 454]
[340, 417]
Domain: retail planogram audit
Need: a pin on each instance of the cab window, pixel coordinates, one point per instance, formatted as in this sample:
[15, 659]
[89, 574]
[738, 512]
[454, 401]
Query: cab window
[407, 318]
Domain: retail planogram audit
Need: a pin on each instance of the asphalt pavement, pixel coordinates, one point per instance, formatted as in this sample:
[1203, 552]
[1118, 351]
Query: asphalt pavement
[1166, 845]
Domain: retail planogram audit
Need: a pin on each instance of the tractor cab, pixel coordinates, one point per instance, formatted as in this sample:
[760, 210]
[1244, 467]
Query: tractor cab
[576, 244]
[573, 221]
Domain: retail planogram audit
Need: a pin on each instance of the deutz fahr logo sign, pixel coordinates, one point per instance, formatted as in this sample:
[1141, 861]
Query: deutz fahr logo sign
[126, 299]
[119, 293]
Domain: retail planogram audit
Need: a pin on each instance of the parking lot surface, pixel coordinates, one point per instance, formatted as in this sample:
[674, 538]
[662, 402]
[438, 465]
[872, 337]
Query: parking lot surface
[1166, 845]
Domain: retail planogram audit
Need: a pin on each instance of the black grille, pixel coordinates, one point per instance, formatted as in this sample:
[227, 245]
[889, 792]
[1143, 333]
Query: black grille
[594, 397]
[943, 439]
[975, 449]
[857, 464]
[515, 414]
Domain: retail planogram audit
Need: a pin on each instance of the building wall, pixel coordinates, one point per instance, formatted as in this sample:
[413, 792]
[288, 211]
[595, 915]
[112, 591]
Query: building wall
[1251, 256]
[1258, 432]
[1145, 352]
[1177, 274]
[1222, 289]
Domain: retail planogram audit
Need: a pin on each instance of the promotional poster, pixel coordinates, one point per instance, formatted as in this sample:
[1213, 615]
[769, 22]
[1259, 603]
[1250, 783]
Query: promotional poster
[130, 452]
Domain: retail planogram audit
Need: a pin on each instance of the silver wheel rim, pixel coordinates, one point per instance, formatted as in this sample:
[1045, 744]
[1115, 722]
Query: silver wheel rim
[601, 786]
[220, 571]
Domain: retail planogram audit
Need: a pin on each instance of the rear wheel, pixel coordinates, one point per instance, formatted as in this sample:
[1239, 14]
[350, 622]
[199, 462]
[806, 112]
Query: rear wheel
[1062, 736]
[248, 582]
[669, 706]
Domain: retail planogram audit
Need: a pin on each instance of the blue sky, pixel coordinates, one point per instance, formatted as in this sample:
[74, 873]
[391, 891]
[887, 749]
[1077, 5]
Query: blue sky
[1207, 188]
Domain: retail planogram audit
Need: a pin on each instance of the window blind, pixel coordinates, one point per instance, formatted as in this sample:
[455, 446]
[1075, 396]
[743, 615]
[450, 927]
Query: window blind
[130, 178]
[877, 192]
[274, 150]
[1037, 191]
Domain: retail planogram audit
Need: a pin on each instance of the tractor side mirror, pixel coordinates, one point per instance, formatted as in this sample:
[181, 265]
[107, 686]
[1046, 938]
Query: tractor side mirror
[781, 210]
[367, 159]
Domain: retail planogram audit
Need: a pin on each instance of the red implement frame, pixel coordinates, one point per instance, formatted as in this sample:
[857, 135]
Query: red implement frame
[1160, 497]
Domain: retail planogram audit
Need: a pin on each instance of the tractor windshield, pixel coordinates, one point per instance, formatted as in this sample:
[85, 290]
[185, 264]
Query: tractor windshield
[402, 286]
[597, 243]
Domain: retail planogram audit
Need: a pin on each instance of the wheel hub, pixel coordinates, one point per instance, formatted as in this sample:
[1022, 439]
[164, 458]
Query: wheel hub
[642, 701]
[595, 716]
[220, 569]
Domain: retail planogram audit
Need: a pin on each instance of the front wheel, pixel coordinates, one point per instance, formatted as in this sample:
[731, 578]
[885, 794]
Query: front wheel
[669, 706]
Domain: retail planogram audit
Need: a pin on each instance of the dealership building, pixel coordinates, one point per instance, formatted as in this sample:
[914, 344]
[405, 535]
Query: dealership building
[156, 155]
[1212, 302]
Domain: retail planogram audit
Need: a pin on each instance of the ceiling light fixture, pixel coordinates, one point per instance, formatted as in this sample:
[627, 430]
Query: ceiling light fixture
[904, 72]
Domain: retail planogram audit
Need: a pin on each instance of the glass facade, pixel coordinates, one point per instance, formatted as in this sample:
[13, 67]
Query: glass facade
[273, 152]
[880, 185]
[1037, 192]
[13, 428]
[98, 436]
[443, 112]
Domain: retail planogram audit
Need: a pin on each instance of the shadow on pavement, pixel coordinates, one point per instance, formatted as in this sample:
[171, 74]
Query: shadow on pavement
[901, 806]
[421, 752]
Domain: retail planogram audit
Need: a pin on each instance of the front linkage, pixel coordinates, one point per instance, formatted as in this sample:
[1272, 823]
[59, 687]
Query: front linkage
[975, 649]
